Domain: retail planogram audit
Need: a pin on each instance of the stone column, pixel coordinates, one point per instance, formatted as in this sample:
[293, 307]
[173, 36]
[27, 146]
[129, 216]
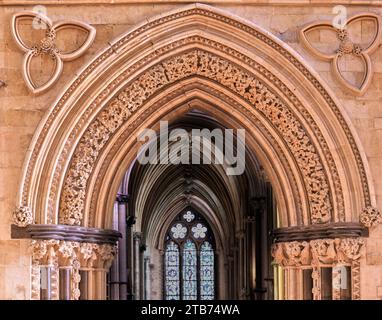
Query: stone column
[114, 270]
[130, 221]
[137, 236]
[122, 245]
[147, 278]
[241, 276]
[261, 251]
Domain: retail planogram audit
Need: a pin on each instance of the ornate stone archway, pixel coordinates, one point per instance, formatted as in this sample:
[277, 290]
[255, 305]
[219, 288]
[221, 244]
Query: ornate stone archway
[299, 131]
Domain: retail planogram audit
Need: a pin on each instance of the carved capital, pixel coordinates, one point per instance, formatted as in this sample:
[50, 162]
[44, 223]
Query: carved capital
[291, 253]
[323, 251]
[23, 216]
[105, 255]
[370, 217]
[69, 254]
[317, 252]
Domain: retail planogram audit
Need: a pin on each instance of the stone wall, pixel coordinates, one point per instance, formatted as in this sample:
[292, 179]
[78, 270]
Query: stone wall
[21, 112]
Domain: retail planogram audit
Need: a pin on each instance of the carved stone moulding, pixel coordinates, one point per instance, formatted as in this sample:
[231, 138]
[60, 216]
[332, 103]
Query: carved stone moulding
[320, 231]
[48, 45]
[330, 195]
[210, 66]
[72, 255]
[317, 252]
[65, 233]
[346, 47]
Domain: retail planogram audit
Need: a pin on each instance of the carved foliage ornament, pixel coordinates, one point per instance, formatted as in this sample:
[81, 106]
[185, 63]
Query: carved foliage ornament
[317, 252]
[322, 252]
[370, 217]
[48, 45]
[22, 216]
[346, 46]
[75, 255]
[204, 64]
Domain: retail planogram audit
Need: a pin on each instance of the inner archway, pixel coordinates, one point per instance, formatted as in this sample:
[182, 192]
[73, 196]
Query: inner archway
[167, 201]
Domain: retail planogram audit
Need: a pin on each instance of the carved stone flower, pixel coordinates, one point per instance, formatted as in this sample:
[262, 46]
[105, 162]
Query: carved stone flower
[199, 231]
[22, 216]
[48, 45]
[370, 217]
[348, 49]
[179, 231]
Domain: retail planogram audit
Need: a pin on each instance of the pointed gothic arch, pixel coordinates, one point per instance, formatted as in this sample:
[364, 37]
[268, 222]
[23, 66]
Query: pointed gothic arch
[198, 54]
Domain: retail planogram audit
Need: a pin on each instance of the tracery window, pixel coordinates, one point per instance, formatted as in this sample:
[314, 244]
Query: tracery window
[189, 260]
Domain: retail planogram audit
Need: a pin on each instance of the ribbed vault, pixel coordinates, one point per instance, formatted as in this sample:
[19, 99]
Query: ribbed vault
[157, 193]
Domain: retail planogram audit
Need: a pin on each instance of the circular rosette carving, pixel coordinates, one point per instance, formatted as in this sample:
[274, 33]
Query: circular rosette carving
[370, 217]
[23, 216]
[48, 46]
[348, 49]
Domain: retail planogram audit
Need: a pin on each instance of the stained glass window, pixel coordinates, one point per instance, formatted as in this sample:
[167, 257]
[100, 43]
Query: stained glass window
[207, 272]
[189, 274]
[189, 259]
[172, 271]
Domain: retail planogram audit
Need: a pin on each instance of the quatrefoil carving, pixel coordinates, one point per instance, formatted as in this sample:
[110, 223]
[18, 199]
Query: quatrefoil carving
[348, 49]
[48, 45]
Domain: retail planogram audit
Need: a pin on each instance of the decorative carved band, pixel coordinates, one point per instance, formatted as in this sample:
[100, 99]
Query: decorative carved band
[210, 66]
[57, 254]
[206, 12]
[333, 230]
[65, 233]
[317, 252]
[322, 252]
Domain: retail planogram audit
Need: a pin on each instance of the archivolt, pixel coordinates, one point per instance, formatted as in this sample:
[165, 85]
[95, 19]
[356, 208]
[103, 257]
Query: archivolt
[235, 58]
